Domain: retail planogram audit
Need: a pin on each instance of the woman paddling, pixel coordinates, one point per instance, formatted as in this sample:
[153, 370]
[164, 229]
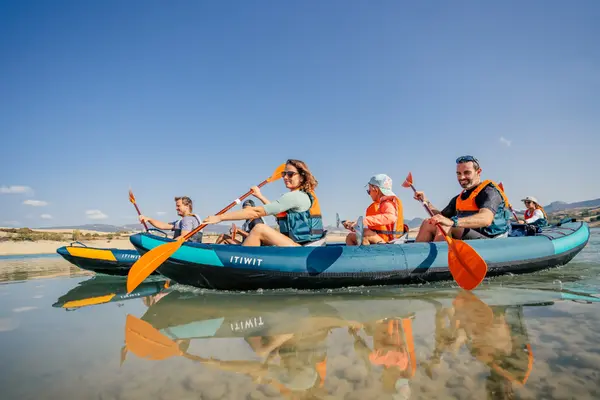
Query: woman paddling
[298, 212]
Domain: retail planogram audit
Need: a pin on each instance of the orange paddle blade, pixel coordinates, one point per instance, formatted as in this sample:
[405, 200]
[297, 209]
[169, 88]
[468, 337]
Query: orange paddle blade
[277, 173]
[131, 197]
[143, 340]
[89, 301]
[408, 181]
[466, 265]
[150, 261]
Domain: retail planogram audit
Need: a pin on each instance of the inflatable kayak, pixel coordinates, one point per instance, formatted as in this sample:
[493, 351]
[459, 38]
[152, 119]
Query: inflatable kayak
[226, 267]
[99, 260]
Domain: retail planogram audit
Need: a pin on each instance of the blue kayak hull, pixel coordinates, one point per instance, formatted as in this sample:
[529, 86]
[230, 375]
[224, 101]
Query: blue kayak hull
[226, 267]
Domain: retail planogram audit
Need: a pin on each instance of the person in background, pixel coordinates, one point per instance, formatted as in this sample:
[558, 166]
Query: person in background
[534, 214]
[246, 228]
[187, 223]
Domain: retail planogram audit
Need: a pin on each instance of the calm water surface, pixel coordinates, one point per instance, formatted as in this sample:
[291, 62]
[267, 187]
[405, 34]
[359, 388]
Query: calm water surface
[65, 333]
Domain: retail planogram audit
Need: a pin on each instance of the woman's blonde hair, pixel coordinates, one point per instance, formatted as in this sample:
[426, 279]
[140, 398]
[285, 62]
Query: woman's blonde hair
[309, 183]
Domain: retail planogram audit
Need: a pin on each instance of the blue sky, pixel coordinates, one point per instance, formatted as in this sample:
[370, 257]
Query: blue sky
[205, 99]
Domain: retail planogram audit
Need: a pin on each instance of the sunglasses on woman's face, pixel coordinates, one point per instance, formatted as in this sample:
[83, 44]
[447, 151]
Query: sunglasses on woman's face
[288, 173]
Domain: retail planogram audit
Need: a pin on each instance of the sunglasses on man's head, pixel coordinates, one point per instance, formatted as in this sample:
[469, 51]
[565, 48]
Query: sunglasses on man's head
[463, 159]
[288, 173]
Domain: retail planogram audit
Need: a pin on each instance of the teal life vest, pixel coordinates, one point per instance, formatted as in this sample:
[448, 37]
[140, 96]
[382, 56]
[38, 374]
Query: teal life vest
[305, 226]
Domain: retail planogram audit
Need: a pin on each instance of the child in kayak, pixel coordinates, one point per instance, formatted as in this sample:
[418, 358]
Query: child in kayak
[384, 220]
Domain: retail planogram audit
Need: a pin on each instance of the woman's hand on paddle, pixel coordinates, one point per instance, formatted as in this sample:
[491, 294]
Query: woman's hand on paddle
[256, 192]
[213, 219]
[440, 219]
[420, 196]
[143, 218]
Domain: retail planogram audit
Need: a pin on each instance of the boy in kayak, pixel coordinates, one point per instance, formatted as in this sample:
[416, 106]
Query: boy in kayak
[187, 223]
[246, 228]
[298, 212]
[480, 211]
[384, 220]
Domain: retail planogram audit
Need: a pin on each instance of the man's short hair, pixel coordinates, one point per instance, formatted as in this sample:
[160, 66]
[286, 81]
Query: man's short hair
[186, 201]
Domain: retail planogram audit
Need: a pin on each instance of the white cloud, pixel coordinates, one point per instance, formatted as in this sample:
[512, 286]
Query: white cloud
[160, 213]
[46, 216]
[35, 203]
[505, 141]
[11, 223]
[14, 189]
[95, 214]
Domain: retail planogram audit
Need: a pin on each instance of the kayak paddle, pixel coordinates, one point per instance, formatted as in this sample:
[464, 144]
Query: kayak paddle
[151, 260]
[358, 229]
[467, 267]
[132, 200]
[501, 186]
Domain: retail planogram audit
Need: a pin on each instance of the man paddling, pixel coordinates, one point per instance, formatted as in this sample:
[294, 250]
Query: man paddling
[182, 226]
[480, 211]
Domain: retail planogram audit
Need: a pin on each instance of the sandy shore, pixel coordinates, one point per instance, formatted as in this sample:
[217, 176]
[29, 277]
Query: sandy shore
[50, 246]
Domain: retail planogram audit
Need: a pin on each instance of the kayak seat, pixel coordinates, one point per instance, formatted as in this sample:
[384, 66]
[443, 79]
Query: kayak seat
[317, 243]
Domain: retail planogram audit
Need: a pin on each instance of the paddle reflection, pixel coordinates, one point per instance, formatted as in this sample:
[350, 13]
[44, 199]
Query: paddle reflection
[293, 344]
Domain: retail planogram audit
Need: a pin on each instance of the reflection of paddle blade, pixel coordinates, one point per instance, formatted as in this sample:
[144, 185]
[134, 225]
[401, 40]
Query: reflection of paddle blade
[465, 264]
[147, 264]
[143, 340]
[89, 301]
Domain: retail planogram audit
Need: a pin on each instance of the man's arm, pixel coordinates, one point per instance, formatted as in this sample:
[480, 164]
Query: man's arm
[157, 224]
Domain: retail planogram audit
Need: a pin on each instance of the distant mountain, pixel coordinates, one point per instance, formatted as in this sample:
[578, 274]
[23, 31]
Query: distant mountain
[561, 205]
[413, 223]
[132, 228]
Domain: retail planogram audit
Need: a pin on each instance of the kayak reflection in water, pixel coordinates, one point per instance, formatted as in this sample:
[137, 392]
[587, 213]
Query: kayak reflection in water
[495, 336]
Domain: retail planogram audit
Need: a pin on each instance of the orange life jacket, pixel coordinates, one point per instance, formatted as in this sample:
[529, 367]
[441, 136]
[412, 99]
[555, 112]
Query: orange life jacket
[391, 231]
[469, 205]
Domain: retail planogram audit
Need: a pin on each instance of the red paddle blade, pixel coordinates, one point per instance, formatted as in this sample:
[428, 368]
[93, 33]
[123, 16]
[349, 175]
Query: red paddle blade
[150, 261]
[143, 340]
[408, 181]
[131, 196]
[466, 265]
